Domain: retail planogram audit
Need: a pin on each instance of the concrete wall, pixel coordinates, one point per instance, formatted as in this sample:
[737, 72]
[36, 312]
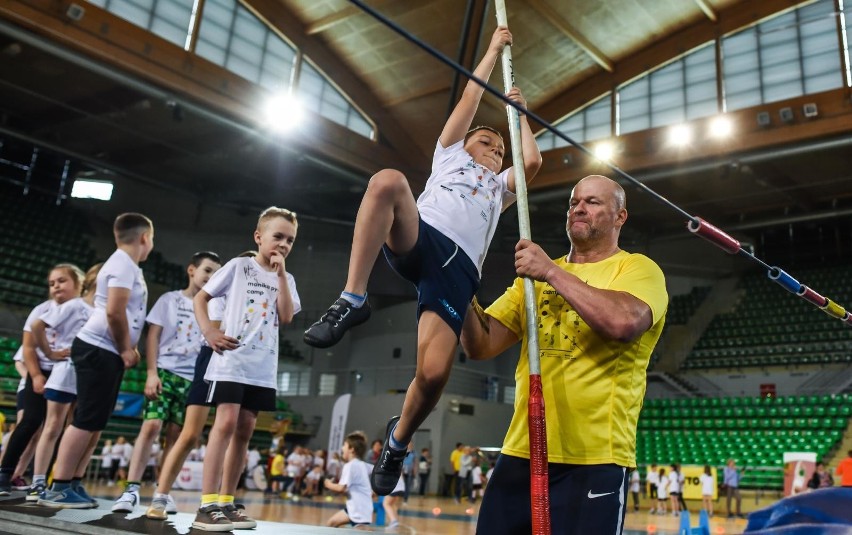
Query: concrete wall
[787, 382]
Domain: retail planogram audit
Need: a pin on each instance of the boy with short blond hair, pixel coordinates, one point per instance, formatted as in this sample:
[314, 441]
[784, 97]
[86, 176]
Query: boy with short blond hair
[103, 348]
[243, 370]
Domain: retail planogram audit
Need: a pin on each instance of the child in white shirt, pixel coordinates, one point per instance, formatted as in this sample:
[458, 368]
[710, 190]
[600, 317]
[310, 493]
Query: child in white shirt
[104, 347]
[438, 243]
[708, 485]
[355, 483]
[60, 390]
[244, 368]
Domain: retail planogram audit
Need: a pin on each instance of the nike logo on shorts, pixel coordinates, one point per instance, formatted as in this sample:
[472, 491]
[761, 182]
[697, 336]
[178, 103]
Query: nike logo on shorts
[592, 496]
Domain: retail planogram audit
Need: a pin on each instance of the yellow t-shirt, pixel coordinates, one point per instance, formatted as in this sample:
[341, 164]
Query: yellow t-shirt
[593, 388]
[277, 468]
[455, 459]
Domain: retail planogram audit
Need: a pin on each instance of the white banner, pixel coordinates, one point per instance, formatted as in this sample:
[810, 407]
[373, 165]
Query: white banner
[339, 414]
[189, 477]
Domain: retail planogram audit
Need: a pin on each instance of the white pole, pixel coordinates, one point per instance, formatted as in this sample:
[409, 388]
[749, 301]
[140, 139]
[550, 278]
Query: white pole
[539, 479]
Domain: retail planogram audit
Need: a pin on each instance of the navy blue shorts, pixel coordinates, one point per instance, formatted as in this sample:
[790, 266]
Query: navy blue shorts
[59, 396]
[19, 400]
[197, 394]
[583, 499]
[445, 276]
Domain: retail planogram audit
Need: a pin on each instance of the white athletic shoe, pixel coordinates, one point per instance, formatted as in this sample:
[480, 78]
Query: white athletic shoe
[127, 502]
[171, 506]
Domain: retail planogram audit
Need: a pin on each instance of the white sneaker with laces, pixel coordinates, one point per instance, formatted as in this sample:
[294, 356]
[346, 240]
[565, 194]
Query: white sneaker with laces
[127, 502]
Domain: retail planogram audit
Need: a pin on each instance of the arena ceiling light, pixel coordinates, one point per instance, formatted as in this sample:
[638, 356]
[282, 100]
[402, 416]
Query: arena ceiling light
[283, 113]
[92, 189]
[721, 126]
[604, 151]
[680, 135]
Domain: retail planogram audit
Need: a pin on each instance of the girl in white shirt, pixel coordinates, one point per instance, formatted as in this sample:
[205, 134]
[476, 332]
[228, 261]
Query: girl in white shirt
[662, 492]
[708, 484]
[64, 281]
[60, 390]
[674, 490]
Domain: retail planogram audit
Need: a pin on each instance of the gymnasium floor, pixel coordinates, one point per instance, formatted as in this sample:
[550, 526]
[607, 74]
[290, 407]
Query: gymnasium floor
[421, 516]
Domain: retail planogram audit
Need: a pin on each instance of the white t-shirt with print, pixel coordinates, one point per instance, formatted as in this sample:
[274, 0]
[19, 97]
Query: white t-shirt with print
[119, 271]
[66, 320]
[359, 502]
[464, 200]
[251, 316]
[181, 338]
[40, 310]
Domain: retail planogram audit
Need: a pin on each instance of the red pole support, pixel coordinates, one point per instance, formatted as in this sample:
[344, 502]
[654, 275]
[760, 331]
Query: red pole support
[809, 295]
[714, 235]
[539, 479]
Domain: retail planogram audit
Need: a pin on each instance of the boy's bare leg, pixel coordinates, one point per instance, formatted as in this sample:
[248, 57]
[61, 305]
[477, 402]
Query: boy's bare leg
[80, 471]
[149, 432]
[72, 448]
[436, 346]
[388, 214]
[338, 519]
[217, 444]
[235, 457]
[193, 425]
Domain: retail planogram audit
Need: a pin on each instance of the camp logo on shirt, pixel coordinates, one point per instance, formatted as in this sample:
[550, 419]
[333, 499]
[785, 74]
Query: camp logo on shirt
[250, 272]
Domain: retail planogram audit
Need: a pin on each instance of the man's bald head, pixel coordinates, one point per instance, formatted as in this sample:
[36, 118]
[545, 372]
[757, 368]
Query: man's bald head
[617, 192]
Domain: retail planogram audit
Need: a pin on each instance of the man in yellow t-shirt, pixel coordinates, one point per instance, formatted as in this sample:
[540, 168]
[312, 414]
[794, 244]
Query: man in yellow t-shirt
[600, 313]
[455, 461]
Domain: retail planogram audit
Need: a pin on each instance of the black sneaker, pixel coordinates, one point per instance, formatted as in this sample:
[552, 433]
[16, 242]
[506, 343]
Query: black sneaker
[388, 467]
[331, 327]
[5, 485]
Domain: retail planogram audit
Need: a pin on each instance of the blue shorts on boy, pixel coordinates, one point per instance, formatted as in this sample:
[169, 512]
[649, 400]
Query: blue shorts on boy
[445, 277]
[459, 210]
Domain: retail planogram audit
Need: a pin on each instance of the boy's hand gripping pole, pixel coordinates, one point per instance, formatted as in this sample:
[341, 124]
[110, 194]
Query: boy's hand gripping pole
[539, 488]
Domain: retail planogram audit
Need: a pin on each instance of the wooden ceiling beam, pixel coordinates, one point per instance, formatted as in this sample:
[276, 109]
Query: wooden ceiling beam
[739, 15]
[553, 16]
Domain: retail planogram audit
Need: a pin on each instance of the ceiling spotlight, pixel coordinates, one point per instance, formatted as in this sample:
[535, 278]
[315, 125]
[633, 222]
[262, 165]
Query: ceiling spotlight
[603, 151]
[721, 127]
[680, 135]
[283, 113]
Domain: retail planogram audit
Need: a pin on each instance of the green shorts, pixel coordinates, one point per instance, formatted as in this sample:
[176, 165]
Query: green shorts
[170, 406]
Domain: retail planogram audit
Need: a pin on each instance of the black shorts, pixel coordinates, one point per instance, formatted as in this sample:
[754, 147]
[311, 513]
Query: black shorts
[19, 400]
[583, 499]
[99, 374]
[249, 397]
[445, 277]
[197, 394]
